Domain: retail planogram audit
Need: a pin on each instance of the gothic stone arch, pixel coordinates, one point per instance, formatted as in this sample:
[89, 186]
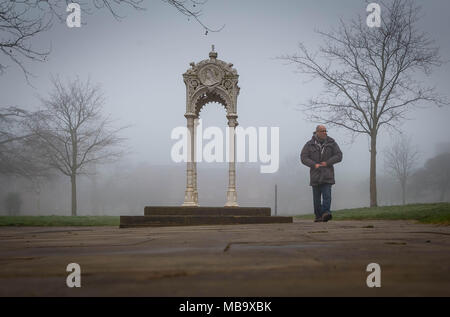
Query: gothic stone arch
[211, 80]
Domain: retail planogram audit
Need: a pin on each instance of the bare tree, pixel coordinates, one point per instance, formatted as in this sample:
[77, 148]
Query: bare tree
[369, 74]
[400, 160]
[17, 146]
[21, 21]
[435, 175]
[72, 132]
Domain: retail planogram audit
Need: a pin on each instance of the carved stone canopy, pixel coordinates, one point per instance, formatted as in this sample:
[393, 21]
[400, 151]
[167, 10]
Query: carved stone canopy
[211, 80]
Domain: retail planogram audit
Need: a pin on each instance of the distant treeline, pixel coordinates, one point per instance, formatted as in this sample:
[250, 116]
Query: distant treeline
[124, 188]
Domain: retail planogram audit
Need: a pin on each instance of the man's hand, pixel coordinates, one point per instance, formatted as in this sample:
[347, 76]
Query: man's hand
[323, 164]
[317, 165]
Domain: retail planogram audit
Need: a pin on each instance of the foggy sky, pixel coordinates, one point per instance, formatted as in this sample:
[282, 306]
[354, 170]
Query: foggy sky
[140, 60]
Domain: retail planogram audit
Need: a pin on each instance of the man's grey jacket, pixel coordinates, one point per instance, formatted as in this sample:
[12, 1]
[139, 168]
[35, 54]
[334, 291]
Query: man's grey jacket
[314, 152]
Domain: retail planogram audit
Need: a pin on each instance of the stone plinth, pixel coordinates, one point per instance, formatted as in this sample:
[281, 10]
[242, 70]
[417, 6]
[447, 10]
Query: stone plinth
[191, 216]
[206, 211]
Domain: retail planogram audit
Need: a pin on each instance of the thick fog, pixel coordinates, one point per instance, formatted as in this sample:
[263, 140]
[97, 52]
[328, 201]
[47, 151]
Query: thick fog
[139, 62]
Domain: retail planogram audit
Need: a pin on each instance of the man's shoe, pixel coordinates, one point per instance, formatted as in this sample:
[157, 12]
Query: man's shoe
[318, 220]
[326, 216]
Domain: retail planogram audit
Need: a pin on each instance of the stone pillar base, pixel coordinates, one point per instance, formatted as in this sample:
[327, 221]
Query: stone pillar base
[189, 198]
[196, 197]
[231, 199]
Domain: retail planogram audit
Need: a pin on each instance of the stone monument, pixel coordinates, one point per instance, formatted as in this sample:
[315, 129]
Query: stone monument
[211, 80]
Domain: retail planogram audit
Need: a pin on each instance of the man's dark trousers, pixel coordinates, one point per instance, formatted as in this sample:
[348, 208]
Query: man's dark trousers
[321, 205]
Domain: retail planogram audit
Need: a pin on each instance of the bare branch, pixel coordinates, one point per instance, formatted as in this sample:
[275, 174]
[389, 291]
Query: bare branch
[371, 69]
[22, 21]
[194, 13]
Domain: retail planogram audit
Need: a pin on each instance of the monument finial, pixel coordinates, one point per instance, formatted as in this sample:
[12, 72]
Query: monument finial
[212, 54]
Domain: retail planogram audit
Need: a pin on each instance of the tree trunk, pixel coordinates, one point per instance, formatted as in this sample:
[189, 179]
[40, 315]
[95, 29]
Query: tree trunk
[403, 192]
[373, 170]
[73, 179]
[73, 176]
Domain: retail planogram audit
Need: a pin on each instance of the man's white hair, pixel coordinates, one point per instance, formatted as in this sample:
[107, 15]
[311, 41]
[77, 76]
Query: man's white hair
[317, 127]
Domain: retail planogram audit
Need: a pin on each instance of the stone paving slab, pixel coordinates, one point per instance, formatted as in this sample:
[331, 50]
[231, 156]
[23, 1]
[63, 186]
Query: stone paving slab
[293, 259]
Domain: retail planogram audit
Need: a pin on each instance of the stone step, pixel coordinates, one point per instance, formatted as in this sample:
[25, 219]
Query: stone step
[196, 220]
[206, 211]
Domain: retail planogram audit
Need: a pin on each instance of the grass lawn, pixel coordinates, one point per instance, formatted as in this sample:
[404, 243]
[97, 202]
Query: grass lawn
[438, 213]
[48, 221]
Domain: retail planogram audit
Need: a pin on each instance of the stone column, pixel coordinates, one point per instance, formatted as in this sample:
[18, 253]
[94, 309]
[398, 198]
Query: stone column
[189, 199]
[231, 193]
[195, 162]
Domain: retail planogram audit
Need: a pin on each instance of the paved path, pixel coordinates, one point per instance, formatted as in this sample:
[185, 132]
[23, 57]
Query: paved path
[298, 259]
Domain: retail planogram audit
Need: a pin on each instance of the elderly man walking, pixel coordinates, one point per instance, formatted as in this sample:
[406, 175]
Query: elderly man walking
[320, 154]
